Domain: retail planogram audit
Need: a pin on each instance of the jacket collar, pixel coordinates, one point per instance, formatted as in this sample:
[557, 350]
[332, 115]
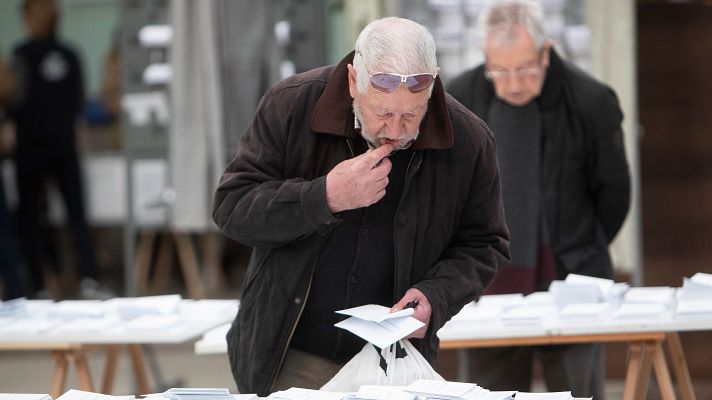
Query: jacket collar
[553, 81]
[333, 112]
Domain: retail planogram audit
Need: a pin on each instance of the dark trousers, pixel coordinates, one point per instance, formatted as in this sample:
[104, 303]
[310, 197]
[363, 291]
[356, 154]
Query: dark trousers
[578, 368]
[34, 168]
[9, 252]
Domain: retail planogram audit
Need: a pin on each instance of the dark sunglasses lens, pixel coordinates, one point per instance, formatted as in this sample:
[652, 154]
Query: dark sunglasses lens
[385, 82]
[417, 83]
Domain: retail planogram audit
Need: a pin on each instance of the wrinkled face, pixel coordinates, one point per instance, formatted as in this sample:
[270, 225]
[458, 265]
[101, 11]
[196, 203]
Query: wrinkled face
[392, 118]
[517, 70]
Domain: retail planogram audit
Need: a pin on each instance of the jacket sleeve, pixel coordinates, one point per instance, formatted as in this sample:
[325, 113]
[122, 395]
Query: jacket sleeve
[478, 247]
[255, 203]
[608, 169]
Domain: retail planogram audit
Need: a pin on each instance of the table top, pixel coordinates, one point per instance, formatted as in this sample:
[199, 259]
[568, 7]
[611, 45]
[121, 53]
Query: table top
[41, 326]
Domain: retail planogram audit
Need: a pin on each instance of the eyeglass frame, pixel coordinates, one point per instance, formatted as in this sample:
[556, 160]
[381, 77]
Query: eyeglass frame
[519, 73]
[403, 80]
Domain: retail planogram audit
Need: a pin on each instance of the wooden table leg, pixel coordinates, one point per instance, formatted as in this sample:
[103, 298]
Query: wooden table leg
[679, 366]
[638, 372]
[189, 265]
[662, 373]
[59, 375]
[80, 363]
[112, 355]
[142, 262]
[136, 353]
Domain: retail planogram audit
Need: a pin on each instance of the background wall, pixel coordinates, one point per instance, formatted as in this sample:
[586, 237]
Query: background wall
[87, 24]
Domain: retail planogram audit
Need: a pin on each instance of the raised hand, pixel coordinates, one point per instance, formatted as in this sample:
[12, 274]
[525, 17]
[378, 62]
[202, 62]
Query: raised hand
[359, 181]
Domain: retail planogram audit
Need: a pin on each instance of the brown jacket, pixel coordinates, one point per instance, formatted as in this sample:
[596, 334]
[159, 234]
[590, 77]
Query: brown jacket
[450, 234]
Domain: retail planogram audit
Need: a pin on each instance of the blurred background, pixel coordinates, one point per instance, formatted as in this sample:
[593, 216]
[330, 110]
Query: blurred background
[170, 85]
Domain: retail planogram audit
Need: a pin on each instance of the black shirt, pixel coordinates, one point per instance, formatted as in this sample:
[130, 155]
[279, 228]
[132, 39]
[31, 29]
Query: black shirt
[50, 92]
[356, 267]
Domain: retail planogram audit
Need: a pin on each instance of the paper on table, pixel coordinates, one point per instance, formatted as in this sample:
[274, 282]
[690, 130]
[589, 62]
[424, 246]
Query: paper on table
[501, 300]
[375, 312]
[24, 396]
[544, 396]
[605, 285]
[585, 311]
[376, 392]
[383, 333]
[440, 389]
[650, 294]
[305, 394]
[74, 394]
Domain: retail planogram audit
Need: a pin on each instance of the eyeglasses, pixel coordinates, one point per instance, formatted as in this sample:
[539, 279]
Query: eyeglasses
[389, 81]
[518, 73]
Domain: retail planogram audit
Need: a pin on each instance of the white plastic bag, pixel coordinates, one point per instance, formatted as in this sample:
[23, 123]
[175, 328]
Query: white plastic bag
[396, 365]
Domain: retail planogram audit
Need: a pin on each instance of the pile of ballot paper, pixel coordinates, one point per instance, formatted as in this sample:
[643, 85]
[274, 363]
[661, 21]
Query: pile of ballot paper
[422, 389]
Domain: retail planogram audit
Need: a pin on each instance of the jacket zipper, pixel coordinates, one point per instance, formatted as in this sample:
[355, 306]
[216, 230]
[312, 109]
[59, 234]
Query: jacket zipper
[306, 295]
[408, 176]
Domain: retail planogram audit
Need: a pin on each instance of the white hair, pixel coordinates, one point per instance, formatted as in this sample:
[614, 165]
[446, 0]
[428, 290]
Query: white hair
[395, 45]
[500, 20]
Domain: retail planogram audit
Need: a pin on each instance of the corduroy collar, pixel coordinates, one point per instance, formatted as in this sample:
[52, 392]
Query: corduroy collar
[333, 112]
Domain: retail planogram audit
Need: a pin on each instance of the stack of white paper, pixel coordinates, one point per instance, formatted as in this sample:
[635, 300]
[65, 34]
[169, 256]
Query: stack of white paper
[566, 293]
[502, 301]
[24, 396]
[651, 294]
[377, 325]
[87, 325]
[580, 312]
[539, 299]
[544, 396]
[528, 315]
[446, 390]
[375, 392]
[154, 323]
[197, 394]
[693, 309]
[641, 311]
[132, 307]
[697, 287]
[68, 309]
[13, 308]
[74, 394]
[305, 394]
[472, 314]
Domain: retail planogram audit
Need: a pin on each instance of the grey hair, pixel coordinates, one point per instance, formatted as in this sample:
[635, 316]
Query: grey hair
[396, 45]
[501, 19]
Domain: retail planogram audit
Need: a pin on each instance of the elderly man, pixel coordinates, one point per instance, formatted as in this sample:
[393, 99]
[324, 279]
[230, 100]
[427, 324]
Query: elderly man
[357, 183]
[565, 182]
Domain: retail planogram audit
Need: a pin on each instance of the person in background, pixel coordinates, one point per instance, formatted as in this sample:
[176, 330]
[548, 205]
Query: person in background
[48, 101]
[12, 286]
[360, 183]
[565, 183]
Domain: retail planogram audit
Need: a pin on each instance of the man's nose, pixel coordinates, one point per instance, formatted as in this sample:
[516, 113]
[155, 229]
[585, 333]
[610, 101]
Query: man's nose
[394, 127]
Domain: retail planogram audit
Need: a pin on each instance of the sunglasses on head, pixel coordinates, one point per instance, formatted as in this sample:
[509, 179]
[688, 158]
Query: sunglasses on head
[390, 81]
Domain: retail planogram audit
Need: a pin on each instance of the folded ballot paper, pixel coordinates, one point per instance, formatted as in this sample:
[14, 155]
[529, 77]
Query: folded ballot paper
[444, 390]
[377, 325]
[699, 286]
[199, 394]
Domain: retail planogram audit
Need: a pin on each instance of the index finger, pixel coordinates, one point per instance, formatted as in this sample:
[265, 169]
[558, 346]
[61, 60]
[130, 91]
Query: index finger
[376, 155]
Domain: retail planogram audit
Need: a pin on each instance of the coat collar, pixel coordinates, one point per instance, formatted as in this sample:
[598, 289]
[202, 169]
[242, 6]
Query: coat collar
[553, 81]
[333, 112]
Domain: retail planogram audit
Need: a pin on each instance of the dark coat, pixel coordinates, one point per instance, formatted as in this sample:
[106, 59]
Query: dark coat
[586, 184]
[450, 234]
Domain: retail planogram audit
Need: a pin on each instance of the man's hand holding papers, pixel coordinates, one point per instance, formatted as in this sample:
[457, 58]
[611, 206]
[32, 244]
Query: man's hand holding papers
[377, 325]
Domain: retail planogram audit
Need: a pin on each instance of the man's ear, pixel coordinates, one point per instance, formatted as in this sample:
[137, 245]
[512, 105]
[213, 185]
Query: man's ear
[353, 89]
